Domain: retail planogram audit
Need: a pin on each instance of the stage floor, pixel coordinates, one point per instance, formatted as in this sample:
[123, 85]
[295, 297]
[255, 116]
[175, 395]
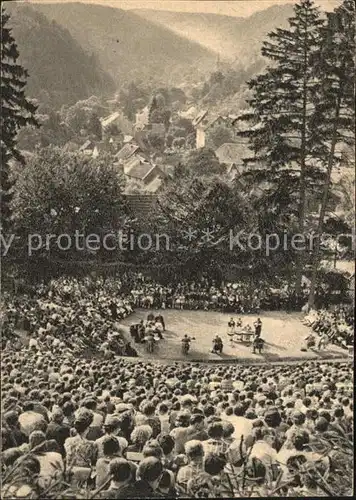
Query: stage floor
[284, 335]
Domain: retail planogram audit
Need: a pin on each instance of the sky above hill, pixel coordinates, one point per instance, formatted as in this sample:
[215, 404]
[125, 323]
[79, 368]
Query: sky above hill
[239, 8]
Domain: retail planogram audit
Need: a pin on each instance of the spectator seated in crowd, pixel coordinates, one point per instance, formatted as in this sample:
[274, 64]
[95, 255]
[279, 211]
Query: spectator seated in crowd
[71, 315]
[139, 429]
[76, 425]
[239, 297]
[81, 314]
[335, 326]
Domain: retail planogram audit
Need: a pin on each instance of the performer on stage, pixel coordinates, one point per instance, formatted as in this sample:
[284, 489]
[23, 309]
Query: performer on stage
[257, 344]
[239, 322]
[158, 328]
[141, 330]
[323, 341]
[150, 317]
[150, 341]
[258, 327]
[159, 318]
[231, 325]
[217, 345]
[134, 333]
[309, 342]
[186, 340]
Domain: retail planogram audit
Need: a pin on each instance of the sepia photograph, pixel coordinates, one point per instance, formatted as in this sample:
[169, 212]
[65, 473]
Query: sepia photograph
[177, 241]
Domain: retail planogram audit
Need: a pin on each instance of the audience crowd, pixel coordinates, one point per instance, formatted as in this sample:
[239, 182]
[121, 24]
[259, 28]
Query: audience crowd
[241, 297]
[136, 429]
[336, 325]
[69, 314]
[79, 425]
[80, 314]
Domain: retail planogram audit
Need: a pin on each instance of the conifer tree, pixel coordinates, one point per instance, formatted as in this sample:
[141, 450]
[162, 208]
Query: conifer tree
[282, 108]
[152, 108]
[335, 103]
[94, 126]
[16, 111]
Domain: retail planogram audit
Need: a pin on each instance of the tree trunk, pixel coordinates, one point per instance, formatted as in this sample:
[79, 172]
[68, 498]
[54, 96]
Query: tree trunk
[316, 258]
[300, 255]
[302, 187]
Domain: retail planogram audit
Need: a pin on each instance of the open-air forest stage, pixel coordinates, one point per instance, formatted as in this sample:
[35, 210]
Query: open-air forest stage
[284, 335]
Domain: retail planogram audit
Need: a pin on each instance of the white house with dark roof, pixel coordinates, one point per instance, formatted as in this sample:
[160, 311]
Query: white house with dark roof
[144, 172]
[118, 119]
[190, 113]
[141, 204]
[142, 118]
[87, 147]
[199, 117]
[232, 155]
[205, 123]
[126, 152]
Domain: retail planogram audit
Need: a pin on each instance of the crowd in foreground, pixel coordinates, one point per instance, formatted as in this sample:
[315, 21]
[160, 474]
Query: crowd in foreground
[124, 429]
[78, 425]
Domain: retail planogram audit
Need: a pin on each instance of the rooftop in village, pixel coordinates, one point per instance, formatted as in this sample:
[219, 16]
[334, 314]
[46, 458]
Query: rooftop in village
[233, 152]
[105, 122]
[154, 185]
[141, 203]
[121, 121]
[127, 151]
[201, 115]
[139, 168]
[87, 145]
[190, 113]
[212, 119]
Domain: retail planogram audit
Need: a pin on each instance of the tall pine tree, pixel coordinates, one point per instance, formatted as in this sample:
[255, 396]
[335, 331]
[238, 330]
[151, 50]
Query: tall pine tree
[16, 111]
[282, 108]
[94, 126]
[335, 102]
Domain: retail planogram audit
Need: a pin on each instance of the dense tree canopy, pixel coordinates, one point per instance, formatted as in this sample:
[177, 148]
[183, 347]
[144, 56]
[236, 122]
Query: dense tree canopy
[220, 136]
[61, 192]
[16, 110]
[282, 133]
[335, 103]
[203, 162]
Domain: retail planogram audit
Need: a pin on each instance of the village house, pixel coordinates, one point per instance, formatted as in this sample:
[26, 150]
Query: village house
[88, 147]
[205, 124]
[190, 113]
[136, 144]
[123, 124]
[141, 204]
[155, 185]
[156, 129]
[126, 152]
[135, 161]
[142, 118]
[148, 175]
[232, 154]
[127, 139]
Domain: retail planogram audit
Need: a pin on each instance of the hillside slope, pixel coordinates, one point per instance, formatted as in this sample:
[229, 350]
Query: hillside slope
[130, 47]
[60, 72]
[234, 38]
